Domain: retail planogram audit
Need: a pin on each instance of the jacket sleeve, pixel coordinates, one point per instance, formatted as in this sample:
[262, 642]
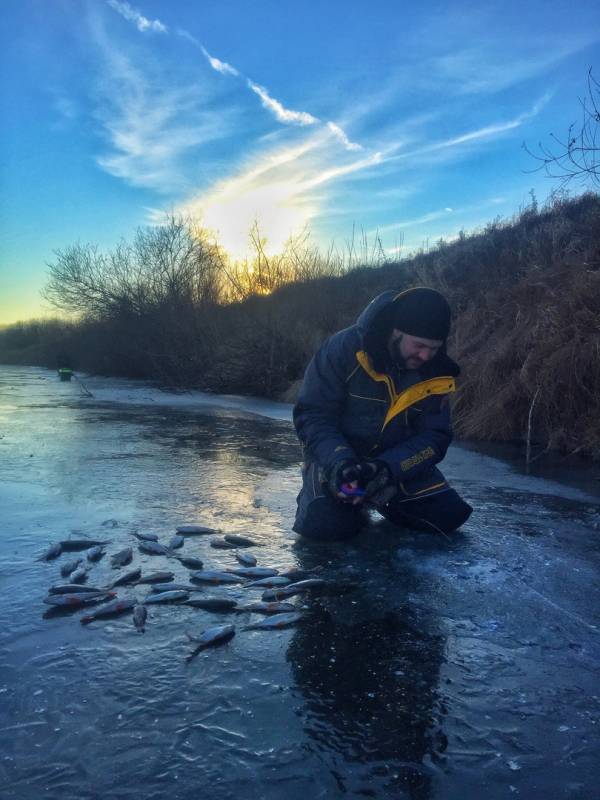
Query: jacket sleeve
[432, 436]
[320, 405]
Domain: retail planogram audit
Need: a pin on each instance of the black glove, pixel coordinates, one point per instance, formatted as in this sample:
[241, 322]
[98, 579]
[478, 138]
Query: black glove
[340, 473]
[378, 482]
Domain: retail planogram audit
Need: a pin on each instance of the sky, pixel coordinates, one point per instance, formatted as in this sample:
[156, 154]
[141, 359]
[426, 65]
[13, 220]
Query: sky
[395, 120]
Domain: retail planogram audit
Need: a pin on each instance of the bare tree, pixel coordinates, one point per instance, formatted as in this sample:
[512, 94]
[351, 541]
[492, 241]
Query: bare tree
[576, 156]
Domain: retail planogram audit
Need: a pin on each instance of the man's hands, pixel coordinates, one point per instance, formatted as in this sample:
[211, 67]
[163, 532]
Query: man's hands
[369, 481]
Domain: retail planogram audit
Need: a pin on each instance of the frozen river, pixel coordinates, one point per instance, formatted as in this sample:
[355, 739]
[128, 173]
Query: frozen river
[429, 668]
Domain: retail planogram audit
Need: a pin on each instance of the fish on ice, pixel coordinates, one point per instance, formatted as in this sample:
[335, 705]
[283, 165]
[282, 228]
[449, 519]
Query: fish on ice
[112, 609]
[121, 558]
[275, 622]
[211, 636]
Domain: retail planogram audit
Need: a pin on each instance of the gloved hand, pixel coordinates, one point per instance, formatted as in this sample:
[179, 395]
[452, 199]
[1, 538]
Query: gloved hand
[346, 471]
[378, 482]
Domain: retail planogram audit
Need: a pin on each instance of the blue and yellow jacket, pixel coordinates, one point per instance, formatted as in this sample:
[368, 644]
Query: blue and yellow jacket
[354, 404]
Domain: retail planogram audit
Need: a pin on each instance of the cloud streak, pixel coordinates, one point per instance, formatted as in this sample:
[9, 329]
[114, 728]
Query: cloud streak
[133, 15]
[282, 114]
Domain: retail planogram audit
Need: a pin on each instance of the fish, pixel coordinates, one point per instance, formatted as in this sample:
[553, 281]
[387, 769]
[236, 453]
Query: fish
[166, 597]
[293, 588]
[173, 587]
[78, 576]
[116, 607]
[140, 614]
[82, 544]
[126, 577]
[247, 559]
[212, 603]
[239, 541]
[121, 558]
[253, 572]
[77, 599]
[146, 537]
[295, 574]
[95, 553]
[70, 588]
[267, 608]
[275, 622]
[217, 635]
[190, 561]
[51, 552]
[156, 577]
[221, 544]
[153, 548]
[69, 567]
[271, 582]
[176, 542]
[197, 530]
[213, 576]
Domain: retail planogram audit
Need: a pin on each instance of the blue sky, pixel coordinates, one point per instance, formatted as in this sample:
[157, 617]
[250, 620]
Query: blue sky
[373, 116]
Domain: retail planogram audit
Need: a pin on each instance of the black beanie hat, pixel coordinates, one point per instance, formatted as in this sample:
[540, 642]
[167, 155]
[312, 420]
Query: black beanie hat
[422, 312]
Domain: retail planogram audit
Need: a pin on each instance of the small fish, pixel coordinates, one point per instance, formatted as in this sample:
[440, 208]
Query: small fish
[121, 558]
[52, 552]
[247, 559]
[270, 582]
[95, 553]
[126, 577]
[146, 537]
[239, 541]
[69, 567]
[174, 587]
[156, 577]
[221, 544]
[198, 530]
[213, 576]
[293, 588]
[70, 588]
[191, 562]
[166, 597]
[176, 542]
[77, 599]
[212, 603]
[116, 607]
[82, 544]
[295, 573]
[267, 608]
[140, 614]
[253, 572]
[78, 576]
[277, 621]
[153, 548]
[211, 636]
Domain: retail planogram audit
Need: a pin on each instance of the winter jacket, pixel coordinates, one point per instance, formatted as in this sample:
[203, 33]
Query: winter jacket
[355, 404]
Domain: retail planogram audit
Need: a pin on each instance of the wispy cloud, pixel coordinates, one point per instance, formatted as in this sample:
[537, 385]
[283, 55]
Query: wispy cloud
[341, 135]
[219, 66]
[133, 15]
[281, 113]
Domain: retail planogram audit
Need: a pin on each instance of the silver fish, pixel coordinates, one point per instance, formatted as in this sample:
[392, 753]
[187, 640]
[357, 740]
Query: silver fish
[82, 544]
[116, 607]
[95, 553]
[166, 597]
[78, 576]
[174, 587]
[239, 541]
[221, 544]
[270, 582]
[153, 548]
[190, 561]
[198, 530]
[277, 621]
[146, 537]
[293, 588]
[267, 608]
[156, 577]
[140, 614]
[213, 576]
[126, 577]
[247, 559]
[70, 588]
[176, 542]
[77, 599]
[212, 603]
[52, 552]
[253, 572]
[211, 636]
[121, 558]
[70, 566]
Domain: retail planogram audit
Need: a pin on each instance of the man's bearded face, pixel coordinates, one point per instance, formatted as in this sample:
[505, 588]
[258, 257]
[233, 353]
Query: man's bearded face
[412, 352]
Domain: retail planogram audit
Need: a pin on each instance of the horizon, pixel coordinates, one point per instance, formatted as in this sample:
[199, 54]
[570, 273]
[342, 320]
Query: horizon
[123, 113]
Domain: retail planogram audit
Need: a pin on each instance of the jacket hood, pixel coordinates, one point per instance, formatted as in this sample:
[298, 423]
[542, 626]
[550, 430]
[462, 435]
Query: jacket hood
[375, 324]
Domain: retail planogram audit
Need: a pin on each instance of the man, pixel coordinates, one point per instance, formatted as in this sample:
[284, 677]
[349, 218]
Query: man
[373, 417]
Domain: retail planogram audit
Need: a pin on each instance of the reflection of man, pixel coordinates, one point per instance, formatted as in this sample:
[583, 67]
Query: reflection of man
[374, 419]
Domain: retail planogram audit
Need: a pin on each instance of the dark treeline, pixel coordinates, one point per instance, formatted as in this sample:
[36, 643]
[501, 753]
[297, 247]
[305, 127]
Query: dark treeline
[172, 308]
